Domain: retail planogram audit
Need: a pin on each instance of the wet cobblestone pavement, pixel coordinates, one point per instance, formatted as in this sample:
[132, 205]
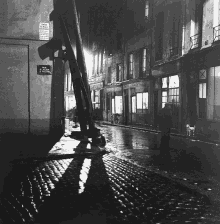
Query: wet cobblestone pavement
[108, 187]
[100, 189]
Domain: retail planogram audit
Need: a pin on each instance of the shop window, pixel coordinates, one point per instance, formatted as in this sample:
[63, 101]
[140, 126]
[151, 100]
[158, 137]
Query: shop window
[118, 104]
[164, 98]
[133, 104]
[170, 90]
[113, 106]
[213, 95]
[164, 82]
[142, 102]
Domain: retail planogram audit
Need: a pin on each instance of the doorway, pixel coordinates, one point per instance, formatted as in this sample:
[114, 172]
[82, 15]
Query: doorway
[14, 100]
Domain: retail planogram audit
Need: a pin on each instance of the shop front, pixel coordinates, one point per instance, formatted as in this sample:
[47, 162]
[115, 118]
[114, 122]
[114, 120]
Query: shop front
[114, 104]
[166, 90]
[97, 100]
[138, 93]
[203, 95]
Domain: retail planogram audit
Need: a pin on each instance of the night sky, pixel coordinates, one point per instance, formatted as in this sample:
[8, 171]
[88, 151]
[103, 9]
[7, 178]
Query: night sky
[102, 20]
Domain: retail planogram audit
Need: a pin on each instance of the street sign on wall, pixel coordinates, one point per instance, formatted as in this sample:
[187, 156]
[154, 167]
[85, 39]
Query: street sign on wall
[44, 31]
[44, 70]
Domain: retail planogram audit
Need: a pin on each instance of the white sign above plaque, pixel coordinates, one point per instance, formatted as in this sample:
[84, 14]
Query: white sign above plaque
[44, 31]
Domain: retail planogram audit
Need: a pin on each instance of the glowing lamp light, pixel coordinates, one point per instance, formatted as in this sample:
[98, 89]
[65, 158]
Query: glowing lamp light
[88, 61]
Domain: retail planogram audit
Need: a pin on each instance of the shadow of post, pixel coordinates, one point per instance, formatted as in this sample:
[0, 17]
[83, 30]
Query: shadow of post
[94, 204]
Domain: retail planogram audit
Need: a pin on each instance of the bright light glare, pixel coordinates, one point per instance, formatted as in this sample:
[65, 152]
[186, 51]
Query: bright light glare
[88, 61]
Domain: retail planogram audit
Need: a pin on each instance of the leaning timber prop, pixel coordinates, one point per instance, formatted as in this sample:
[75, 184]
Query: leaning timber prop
[80, 81]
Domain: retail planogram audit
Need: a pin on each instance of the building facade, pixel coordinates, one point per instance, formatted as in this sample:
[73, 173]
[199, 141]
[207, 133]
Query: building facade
[25, 90]
[33, 67]
[170, 54]
[201, 65]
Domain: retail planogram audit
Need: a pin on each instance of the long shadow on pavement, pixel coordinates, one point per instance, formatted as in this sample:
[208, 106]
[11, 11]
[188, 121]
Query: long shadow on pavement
[95, 189]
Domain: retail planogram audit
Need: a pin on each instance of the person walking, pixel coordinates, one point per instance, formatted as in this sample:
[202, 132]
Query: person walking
[165, 124]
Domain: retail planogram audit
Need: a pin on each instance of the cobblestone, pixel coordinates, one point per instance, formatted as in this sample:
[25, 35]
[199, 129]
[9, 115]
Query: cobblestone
[103, 187]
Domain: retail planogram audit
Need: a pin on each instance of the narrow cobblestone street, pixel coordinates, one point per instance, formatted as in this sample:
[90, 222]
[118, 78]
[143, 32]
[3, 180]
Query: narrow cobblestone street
[112, 186]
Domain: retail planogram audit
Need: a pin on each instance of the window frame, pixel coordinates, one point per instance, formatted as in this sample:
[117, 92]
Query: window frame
[118, 72]
[143, 62]
[141, 109]
[147, 9]
[202, 101]
[109, 76]
[159, 36]
[168, 89]
[133, 104]
[131, 66]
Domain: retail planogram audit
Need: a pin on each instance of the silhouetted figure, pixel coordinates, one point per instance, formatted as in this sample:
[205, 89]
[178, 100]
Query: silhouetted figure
[165, 124]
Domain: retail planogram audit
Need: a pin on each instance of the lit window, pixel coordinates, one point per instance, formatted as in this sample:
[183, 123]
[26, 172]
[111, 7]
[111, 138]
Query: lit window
[202, 90]
[131, 65]
[133, 103]
[103, 61]
[118, 104]
[173, 81]
[96, 63]
[139, 100]
[113, 106]
[144, 60]
[142, 102]
[147, 8]
[145, 100]
[164, 98]
[100, 63]
[164, 82]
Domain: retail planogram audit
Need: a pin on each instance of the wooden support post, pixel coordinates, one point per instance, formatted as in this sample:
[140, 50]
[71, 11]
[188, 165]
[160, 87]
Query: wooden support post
[76, 78]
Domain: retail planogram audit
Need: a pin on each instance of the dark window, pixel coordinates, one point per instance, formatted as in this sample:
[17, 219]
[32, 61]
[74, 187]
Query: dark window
[174, 36]
[159, 36]
[109, 77]
[118, 73]
[143, 62]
